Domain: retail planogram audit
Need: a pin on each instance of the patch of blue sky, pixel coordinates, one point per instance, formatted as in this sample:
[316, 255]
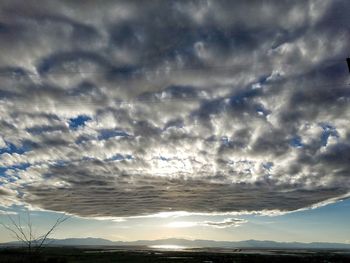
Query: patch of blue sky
[262, 111]
[78, 121]
[82, 139]
[174, 124]
[330, 212]
[328, 130]
[296, 142]
[225, 140]
[167, 159]
[241, 101]
[12, 148]
[261, 82]
[240, 98]
[42, 129]
[163, 158]
[120, 157]
[268, 165]
[263, 79]
[60, 163]
[106, 134]
[12, 177]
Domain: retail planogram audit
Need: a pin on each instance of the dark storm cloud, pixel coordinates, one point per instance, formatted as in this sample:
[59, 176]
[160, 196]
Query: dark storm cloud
[127, 109]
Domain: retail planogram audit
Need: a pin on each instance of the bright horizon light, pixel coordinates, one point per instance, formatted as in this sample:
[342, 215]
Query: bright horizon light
[181, 224]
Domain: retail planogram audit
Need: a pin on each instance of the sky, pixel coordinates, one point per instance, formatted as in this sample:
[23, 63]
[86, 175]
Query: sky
[221, 120]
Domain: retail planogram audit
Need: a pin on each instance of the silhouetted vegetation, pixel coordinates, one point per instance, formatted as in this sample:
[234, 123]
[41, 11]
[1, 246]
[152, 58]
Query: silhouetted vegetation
[80, 255]
[22, 230]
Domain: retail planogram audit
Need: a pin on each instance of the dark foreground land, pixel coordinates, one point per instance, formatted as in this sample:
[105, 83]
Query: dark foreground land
[143, 254]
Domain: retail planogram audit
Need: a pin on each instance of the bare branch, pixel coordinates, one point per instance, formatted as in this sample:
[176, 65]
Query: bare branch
[18, 227]
[57, 223]
[14, 232]
[28, 238]
[29, 223]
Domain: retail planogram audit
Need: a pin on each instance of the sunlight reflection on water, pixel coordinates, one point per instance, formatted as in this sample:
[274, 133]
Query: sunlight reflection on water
[168, 247]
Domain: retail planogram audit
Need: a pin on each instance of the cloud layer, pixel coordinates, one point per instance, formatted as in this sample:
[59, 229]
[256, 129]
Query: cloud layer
[228, 222]
[126, 109]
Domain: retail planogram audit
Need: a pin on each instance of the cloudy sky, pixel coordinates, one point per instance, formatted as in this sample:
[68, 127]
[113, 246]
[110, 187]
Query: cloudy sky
[221, 120]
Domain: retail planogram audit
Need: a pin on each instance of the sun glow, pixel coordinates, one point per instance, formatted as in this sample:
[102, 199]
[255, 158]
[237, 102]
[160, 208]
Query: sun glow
[181, 224]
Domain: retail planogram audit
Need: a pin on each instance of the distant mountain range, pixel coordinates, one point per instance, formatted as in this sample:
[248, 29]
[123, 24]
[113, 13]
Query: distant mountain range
[192, 243]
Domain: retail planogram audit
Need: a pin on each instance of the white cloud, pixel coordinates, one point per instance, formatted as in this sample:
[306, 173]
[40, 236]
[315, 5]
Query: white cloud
[193, 107]
[228, 222]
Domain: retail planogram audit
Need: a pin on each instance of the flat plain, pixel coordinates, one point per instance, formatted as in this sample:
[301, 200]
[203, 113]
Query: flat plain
[145, 254]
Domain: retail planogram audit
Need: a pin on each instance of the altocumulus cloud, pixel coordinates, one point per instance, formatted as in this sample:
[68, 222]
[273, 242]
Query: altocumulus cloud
[228, 222]
[125, 108]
